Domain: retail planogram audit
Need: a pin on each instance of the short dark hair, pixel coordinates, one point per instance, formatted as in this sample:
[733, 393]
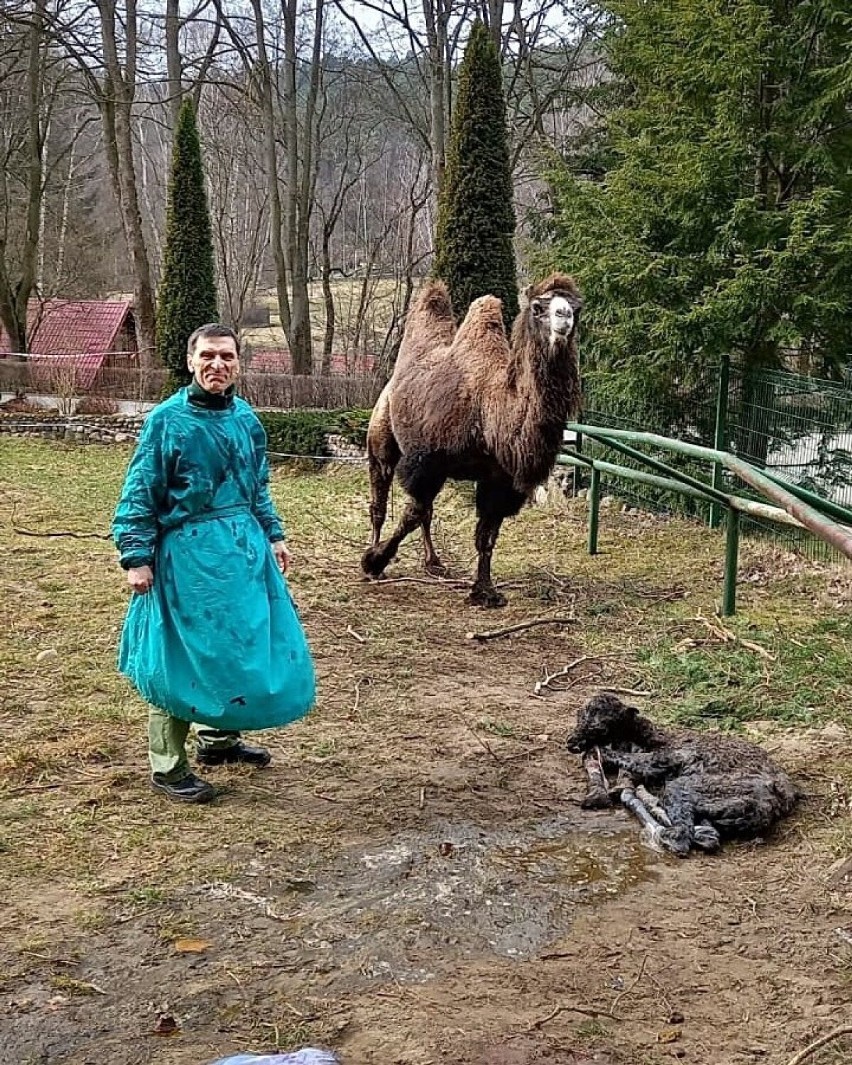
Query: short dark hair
[212, 329]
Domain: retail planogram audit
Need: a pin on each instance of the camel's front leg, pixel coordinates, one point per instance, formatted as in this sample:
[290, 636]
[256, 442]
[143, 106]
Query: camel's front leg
[495, 501]
[483, 592]
[382, 467]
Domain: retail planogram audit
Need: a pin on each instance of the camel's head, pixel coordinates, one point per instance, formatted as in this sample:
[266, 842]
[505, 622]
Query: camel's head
[605, 720]
[554, 307]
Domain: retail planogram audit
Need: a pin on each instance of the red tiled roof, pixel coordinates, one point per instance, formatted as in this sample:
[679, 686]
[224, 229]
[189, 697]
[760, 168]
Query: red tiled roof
[72, 327]
[58, 371]
[270, 360]
[277, 360]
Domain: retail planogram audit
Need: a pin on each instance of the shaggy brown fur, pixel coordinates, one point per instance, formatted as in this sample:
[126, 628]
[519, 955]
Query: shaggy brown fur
[710, 785]
[467, 405]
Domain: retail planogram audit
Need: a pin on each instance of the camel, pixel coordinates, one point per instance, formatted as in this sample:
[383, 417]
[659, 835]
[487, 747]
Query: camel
[710, 785]
[466, 404]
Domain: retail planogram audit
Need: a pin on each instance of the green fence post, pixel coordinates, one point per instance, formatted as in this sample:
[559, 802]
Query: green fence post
[594, 510]
[578, 474]
[732, 551]
[720, 435]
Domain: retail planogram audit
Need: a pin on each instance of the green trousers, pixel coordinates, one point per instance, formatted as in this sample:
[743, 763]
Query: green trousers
[167, 738]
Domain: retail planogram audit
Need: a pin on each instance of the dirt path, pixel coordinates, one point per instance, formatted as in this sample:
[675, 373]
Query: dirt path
[456, 906]
[412, 881]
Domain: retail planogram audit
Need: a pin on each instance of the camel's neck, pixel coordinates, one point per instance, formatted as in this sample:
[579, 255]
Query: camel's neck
[545, 391]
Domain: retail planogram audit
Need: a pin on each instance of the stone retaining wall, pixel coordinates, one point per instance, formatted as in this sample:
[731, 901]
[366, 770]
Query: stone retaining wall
[76, 428]
[116, 429]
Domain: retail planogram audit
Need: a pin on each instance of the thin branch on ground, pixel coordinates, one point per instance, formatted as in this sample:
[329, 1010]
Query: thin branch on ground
[447, 582]
[818, 1044]
[54, 533]
[721, 632]
[483, 743]
[496, 634]
[549, 678]
[587, 1011]
[636, 981]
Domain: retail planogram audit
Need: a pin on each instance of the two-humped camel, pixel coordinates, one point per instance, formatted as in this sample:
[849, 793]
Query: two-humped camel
[471, 404]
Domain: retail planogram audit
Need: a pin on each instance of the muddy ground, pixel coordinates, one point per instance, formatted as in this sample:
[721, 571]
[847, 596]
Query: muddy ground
[412, 881]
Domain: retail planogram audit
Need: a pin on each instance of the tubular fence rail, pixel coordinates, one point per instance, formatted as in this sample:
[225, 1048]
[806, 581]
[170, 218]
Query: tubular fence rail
[794, 427]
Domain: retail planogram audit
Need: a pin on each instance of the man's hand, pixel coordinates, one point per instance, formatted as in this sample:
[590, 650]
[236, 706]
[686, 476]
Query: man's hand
[282, 555]
[140, 579]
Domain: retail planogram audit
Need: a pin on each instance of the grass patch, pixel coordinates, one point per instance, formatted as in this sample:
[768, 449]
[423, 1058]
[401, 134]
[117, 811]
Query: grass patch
[803, 680]
[73, 771]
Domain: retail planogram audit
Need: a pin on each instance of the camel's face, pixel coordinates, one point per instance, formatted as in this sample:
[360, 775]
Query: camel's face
[556, 314]
[603, 720]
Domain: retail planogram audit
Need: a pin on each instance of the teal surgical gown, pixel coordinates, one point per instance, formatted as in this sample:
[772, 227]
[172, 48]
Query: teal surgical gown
[218, 639]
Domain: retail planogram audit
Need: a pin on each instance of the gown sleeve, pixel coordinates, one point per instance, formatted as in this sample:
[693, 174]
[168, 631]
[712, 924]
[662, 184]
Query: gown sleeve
[263, 507]
[135, 525]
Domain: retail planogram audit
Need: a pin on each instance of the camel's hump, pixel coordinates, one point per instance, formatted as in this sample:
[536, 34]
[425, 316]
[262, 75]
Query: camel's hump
[434, 297]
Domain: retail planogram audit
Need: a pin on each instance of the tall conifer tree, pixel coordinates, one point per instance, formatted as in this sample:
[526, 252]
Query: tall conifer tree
[474, 253]
[187, 295]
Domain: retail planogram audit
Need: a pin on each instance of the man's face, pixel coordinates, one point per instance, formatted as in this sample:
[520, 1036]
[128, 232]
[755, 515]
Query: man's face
[215, 363]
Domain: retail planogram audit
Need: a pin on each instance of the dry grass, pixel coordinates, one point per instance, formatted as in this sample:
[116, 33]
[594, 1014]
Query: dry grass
[74, 731]
[346, 293]
[84, 845]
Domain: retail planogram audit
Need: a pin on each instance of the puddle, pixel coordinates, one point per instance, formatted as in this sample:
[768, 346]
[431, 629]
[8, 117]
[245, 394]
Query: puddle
[609, 865]
[388, 911]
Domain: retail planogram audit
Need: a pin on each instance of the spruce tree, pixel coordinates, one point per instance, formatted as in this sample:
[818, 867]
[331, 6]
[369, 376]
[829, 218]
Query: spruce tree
[720, 226]
[474, 253]
[187, 295]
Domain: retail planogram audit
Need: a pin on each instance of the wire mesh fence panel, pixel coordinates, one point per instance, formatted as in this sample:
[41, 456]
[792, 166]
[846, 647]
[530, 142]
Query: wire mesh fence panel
[684, 408]
[68, 380]
[796, 427]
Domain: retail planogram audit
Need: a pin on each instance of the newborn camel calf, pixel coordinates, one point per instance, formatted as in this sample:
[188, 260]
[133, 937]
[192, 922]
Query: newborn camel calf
[687, 788]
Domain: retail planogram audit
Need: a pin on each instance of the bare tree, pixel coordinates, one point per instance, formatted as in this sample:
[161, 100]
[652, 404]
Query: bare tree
[289, 82]
[115, 97]
[239, 198]
[26, 73]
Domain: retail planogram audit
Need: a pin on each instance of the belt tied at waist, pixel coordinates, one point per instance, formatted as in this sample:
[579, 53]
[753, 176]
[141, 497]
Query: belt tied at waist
[209, 515]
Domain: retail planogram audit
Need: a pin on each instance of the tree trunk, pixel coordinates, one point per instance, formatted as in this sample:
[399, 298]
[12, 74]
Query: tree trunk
[117, 105]
[492, 11]
[174, 67]
[328, 298]
[15, 296]
[41, 219]
[436, 37]
[300, 179]
[143, 294]
[276, 219]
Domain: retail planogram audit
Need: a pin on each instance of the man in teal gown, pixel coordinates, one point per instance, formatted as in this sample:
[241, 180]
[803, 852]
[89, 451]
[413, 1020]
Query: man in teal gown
[211, 638]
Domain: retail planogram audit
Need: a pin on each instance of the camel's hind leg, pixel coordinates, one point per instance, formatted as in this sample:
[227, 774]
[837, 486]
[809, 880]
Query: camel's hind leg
[382, 457]
[431, 560]
[422, 477]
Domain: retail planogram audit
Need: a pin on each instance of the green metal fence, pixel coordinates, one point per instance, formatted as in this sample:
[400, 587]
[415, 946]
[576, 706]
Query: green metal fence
[795, 427]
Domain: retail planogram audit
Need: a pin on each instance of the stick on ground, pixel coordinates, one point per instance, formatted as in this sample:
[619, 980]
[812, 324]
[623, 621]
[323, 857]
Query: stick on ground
[495, 634]
[587, 1011]
[797, 1059]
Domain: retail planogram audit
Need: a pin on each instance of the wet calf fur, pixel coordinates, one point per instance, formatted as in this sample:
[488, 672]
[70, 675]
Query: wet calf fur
[710, 786]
